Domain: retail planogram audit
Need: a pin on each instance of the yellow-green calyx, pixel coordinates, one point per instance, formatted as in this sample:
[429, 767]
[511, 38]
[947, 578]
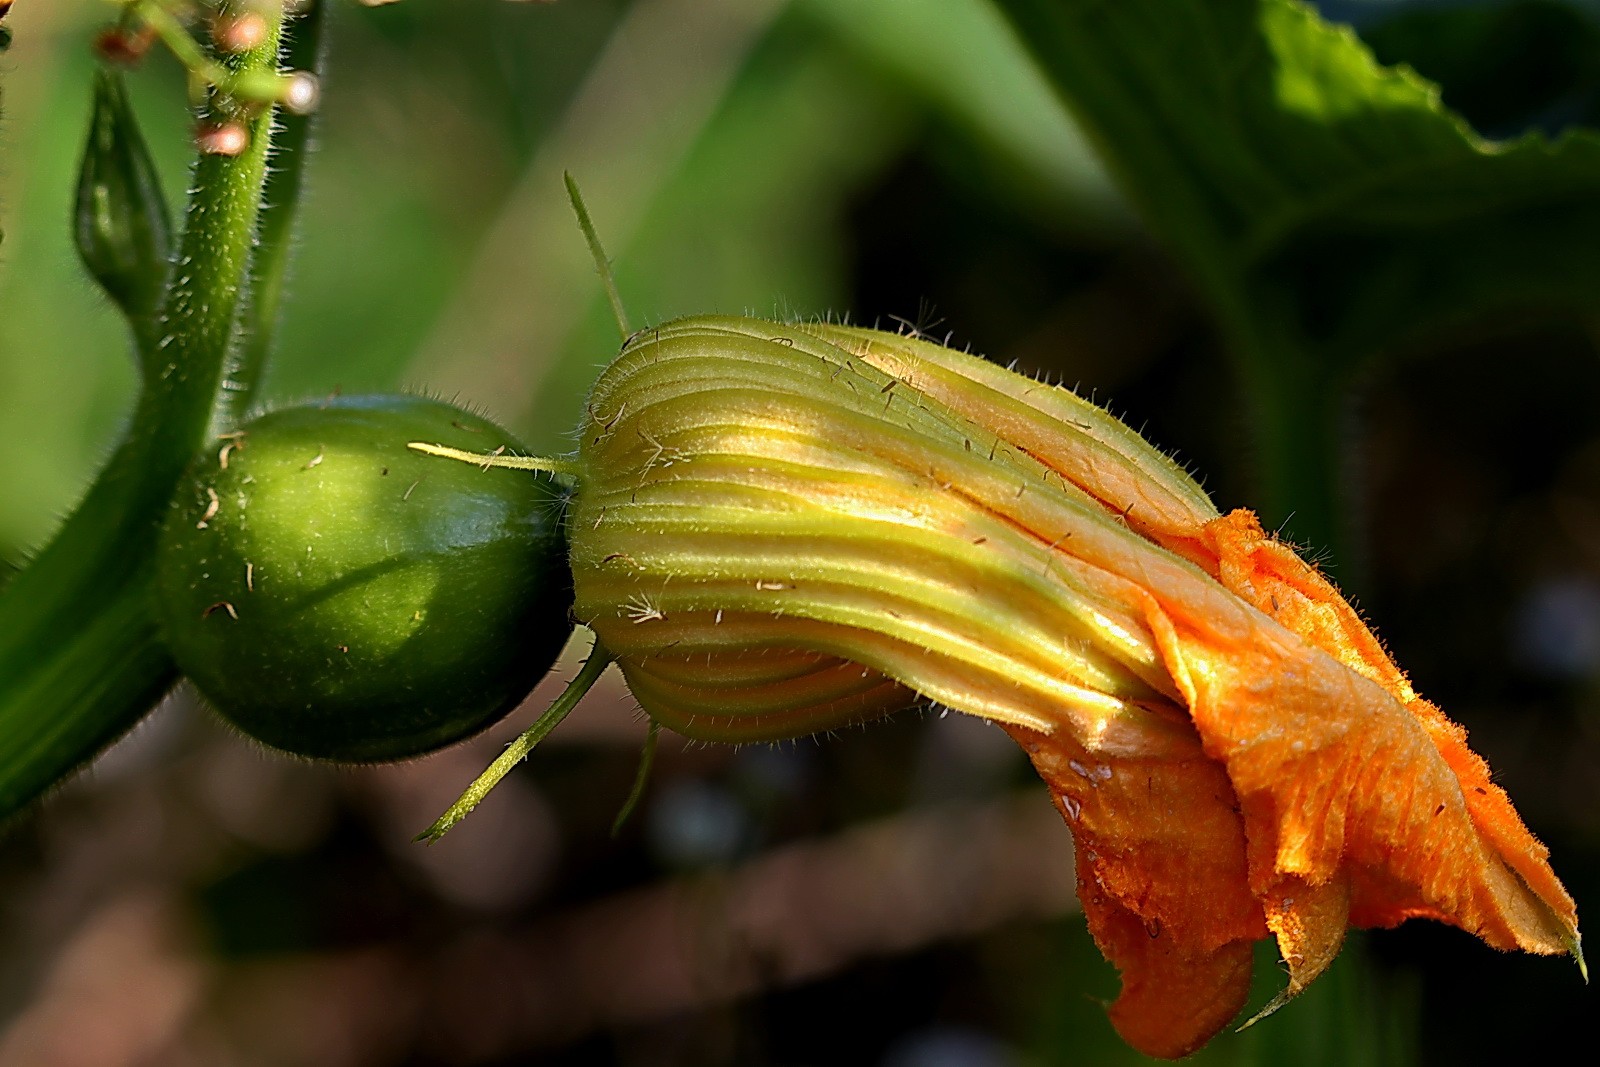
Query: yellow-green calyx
[780, 529]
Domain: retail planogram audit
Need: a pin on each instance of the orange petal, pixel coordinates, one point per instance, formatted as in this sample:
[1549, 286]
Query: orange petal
[1308, 922]
[1343, 775]
[1269, 575]
[1161, 873]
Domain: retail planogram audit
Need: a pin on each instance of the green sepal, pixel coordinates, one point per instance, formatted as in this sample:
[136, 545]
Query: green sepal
[122, 225]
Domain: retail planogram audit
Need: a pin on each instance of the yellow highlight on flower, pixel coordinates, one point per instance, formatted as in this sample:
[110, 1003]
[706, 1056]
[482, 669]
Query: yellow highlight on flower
[778, 529]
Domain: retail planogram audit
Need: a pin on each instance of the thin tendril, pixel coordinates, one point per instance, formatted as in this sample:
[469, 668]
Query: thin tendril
[602, 265]
[517, 751]
[647, 759]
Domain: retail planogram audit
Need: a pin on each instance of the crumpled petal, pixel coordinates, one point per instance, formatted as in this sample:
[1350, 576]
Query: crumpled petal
[1352, 787]
[1161, 874]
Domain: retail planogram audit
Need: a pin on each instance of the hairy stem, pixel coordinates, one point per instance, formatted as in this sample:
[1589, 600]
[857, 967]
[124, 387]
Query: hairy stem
[280, 210]
[80, 660]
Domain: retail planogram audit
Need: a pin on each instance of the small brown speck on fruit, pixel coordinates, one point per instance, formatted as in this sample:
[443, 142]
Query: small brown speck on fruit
[211, 509]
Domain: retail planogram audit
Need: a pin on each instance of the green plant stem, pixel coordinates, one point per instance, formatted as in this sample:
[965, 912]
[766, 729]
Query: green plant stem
[240, 80]
[80, 661]
[1156, 136]
[602, 265]
[280, 210]
[116, 661]
[1297, 413]
[179, 43]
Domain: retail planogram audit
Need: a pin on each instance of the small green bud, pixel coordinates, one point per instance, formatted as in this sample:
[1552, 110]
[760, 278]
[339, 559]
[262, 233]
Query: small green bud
[122, 227]
[338, 595]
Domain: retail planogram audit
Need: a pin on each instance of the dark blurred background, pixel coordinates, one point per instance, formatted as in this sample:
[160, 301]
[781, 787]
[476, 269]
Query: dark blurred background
[898, 895]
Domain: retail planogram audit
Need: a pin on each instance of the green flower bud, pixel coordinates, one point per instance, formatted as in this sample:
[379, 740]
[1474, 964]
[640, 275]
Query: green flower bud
[338, 595]
[122, 227]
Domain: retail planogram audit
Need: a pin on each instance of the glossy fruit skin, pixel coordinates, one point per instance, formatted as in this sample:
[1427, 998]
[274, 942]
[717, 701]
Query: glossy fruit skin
[337, 595]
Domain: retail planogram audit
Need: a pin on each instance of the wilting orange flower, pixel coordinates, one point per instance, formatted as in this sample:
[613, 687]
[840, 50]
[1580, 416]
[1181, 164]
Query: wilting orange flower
[778, 529]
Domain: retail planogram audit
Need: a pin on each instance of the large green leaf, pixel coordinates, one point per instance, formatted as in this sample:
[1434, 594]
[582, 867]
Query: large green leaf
[1331, 209]
[1506, 67]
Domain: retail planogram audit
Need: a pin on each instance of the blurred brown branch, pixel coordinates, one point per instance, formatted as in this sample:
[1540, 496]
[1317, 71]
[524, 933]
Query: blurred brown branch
[794, 914]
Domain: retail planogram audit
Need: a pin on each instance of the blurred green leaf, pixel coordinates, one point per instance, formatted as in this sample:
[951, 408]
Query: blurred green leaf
[753, 218]
[962, 58]
[1356, 1013]
[1330, 209]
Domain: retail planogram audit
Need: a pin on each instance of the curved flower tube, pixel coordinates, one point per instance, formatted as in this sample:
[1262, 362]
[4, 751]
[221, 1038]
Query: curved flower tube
[782, 528]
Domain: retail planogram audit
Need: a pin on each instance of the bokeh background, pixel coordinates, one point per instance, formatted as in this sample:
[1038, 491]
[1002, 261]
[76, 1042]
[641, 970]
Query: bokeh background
[898, 895]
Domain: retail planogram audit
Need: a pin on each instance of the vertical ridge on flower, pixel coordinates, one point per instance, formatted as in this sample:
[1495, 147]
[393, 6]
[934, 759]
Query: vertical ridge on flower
[1079, 440]
[767, 482]
[780, 529]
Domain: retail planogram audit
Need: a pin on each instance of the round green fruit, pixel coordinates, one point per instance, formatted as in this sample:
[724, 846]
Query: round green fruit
[338, 595]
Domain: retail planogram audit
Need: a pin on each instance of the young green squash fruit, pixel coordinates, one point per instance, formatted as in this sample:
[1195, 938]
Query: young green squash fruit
[337, 595]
